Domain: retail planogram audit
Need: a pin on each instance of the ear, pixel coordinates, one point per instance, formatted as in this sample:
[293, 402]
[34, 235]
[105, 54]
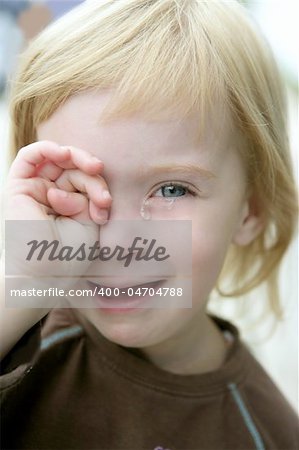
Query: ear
[251, 222]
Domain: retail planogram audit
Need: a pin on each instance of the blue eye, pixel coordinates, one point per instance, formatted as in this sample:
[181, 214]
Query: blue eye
[172, 191]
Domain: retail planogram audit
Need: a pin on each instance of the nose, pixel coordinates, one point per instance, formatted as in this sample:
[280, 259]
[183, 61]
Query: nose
[123, 223]
[121, 236]
[124, 207]
[120, 232]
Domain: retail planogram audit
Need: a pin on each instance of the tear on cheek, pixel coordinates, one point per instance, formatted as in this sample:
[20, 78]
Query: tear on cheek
[163, 208]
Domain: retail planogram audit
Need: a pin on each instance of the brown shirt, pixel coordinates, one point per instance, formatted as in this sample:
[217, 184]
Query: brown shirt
[64, 386]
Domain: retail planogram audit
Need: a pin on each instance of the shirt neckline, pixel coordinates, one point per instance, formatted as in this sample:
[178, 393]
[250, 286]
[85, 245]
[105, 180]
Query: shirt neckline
[142, 372]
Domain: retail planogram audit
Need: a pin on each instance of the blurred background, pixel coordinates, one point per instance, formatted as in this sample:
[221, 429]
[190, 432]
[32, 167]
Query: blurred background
[276, 348]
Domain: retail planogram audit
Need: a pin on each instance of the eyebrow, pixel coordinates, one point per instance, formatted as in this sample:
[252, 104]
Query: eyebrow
[187, 168]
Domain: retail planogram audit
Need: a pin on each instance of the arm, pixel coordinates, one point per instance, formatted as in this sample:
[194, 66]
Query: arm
[38, 176]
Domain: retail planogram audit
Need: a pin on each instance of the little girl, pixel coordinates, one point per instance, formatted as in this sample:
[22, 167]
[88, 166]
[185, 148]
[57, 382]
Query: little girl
[174, 106]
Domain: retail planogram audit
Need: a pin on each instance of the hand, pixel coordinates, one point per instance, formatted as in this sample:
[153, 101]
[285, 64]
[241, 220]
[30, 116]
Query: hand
[60, 185]
[43, 181]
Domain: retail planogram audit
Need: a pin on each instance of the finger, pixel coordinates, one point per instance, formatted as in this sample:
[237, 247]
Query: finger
[82, 160]
[85, 162]
[31, 156]
[48, 170]
[98, 215]
[35, 188]
[75, 205]
[70, 204]
[24, 166]
[94, 186]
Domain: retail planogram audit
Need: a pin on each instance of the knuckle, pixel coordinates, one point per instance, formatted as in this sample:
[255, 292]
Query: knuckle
[21, 152]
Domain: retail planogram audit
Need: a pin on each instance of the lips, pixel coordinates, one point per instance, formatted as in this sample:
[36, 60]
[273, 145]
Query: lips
[126, 298]
[124, 291]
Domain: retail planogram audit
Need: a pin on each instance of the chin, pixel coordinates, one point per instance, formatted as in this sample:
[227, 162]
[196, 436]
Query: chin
[126, 336]
[133, 332]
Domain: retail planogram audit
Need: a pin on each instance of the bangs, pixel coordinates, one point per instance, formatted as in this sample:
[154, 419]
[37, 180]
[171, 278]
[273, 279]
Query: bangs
[155, 56]
[162, 68]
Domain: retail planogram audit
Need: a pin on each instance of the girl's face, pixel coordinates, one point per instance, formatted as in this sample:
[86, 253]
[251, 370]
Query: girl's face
[207, 178]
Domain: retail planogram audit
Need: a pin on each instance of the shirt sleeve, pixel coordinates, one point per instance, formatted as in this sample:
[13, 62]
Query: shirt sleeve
[20, 359]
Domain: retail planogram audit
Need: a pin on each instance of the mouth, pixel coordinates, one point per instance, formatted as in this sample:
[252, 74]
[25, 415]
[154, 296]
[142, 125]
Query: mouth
[121, 298]
[116, 291]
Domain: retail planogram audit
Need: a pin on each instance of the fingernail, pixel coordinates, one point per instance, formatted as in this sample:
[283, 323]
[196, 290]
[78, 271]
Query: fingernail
[95, 159]
[102, 216]
[106, 195]
[64, 147]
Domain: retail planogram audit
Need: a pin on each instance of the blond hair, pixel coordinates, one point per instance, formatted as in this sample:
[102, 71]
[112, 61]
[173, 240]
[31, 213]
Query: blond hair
[157, 54]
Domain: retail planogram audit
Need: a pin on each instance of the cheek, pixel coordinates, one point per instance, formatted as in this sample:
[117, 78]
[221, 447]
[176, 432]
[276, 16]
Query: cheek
[210, 244]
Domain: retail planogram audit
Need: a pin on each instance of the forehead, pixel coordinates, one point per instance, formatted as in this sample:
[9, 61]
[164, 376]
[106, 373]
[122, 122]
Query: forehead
[79, 122]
